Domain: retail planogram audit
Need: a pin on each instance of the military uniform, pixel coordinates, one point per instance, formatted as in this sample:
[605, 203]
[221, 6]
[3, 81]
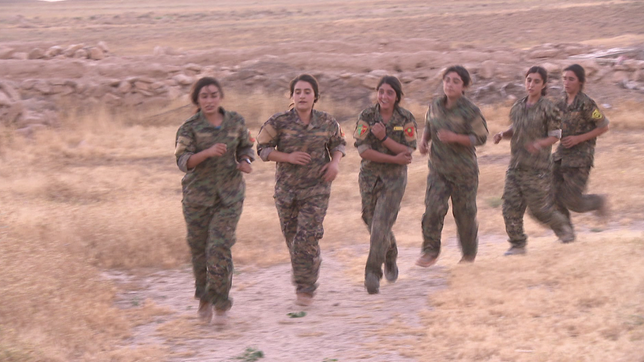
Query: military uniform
[213, 193]
[528, 182]
[453, 173]
[301, 194]
[382, 185]
[572, 165]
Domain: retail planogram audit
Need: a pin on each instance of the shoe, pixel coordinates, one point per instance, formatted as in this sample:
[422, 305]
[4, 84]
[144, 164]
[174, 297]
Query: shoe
[391, 271]
[221, 318]
[515, 250]
[427, 259]
[603, 212]
[372, 282]
[467, 259]
[304, 299]
[205, 311]
[568, 235]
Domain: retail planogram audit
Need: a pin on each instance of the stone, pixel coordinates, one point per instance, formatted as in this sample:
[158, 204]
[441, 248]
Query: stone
[620, 77]
[370, 81]
[183, 79]
[488, 69]
[545, 53]
[20, 56]
[54, 51]
[554, 70]
[80, 54]
[96, 53]
[6, 53]
[71, 50]
[36, 53]
[103, 46]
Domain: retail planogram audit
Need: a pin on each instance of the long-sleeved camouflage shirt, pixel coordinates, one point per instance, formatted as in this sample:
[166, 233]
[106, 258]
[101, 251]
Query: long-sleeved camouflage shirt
[581, 116]
[464, 118]
[529, 124]
[285, 132]
[401, 128]
[216, 177]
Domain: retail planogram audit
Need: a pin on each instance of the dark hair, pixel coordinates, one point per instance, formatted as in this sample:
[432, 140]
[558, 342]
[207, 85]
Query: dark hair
[204, 82]
[462, 73]
[579, 72]
[395, 84]
[309, 79]
[542, 72]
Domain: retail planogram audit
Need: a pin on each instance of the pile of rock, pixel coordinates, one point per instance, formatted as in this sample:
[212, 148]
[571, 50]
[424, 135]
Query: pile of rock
[78, 51]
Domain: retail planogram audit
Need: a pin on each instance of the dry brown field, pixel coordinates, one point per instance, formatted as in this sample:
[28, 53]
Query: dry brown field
[93, 260]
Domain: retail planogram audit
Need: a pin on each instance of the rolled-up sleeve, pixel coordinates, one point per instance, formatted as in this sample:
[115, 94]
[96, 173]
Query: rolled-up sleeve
[553, 125]
[267, 139]
[480, 131]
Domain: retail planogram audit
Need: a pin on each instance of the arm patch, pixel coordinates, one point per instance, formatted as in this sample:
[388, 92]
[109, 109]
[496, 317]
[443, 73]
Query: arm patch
[362, 130]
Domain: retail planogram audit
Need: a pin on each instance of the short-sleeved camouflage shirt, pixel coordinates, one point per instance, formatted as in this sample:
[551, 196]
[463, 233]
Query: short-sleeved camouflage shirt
[541, 120]
[285, 132]
[216, 178]
[581, 116]
[401, 128]
[464, 118]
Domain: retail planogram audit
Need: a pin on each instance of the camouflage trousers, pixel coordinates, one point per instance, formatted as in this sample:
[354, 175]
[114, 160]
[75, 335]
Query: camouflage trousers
[211, 234]
[570, 183]
[301, 222]
[380, 206]
[462, 191]
[531, 189]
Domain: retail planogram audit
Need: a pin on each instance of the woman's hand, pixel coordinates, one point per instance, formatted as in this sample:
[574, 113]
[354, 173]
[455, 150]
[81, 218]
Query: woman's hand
[498, 137]
[533, 147]
[424, 147]
[379, 130]
[403, 158]
[446, 136]
[244, 166]
[570, 141]
[216, 150]
[330, 171]
[299, 158]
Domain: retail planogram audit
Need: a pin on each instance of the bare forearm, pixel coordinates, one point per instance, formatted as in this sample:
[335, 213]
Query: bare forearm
[278, 156]
[375, 156]
[196, 159]
[593, 134]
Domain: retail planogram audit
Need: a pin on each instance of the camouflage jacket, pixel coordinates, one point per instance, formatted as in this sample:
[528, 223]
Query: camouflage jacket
[582, 116]
[216, 177]
[529, 124]
[286, 133]
[464, 118]
[401, 128]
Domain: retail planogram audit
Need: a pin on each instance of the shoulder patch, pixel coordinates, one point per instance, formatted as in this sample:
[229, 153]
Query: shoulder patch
[597, 114]
[362, 130]
[410, 131]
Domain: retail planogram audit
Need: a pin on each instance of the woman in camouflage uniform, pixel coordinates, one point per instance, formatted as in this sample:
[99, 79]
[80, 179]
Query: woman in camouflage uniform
[385, 136]
[455, 127]
[307, 146]
[582, 123]
[536, 126]
[213, 148]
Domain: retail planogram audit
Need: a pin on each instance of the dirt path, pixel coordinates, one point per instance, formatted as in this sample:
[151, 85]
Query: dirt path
[340, 325]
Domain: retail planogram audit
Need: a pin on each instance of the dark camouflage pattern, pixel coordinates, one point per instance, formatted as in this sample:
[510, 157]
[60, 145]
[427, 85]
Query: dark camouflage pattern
[529, 124]
[301, 194]
[382, 185]
[464, 118]
[581, 116]
[453, 173]
[570, 184]
[531, 189]
[217, 178]
[211, 235]
[213, 194]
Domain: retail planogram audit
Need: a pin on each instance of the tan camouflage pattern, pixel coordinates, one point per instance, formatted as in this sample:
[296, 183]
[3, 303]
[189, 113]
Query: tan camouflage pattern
[529, 124]
[382, 185]
[464, 118]
[570, 184]
[453, 173]
[301, 194]
[581, 116]
[213, 194]
[531, 189]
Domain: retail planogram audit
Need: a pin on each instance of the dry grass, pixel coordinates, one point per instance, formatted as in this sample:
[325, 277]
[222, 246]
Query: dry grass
[103, 192]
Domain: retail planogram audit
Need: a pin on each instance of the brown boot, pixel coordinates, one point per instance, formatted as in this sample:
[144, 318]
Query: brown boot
[427, 259]
[205, 311]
